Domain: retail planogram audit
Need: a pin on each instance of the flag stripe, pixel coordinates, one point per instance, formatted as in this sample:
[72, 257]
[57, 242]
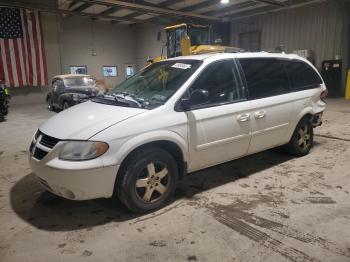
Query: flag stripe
[21, 58]
[2, 76]
[38, 36]
[34, 81]
[43, 51]
[36, 50]
[28, 49]
[24, 51]
[3, 58]
[8, 62]
[15, 60]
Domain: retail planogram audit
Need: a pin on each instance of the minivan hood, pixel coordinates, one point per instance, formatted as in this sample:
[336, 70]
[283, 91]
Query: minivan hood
[82, 121]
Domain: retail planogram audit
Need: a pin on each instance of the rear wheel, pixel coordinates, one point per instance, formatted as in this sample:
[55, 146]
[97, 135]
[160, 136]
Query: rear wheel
[302, 139]
[149, 180]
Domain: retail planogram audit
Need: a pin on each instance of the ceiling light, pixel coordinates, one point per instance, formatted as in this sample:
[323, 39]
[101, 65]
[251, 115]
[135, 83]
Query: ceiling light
[225, 1]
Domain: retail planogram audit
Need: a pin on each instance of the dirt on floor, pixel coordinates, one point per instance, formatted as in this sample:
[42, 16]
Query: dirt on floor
[265, 207]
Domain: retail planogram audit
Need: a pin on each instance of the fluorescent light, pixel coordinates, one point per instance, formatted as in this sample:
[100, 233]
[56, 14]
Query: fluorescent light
[225, 1]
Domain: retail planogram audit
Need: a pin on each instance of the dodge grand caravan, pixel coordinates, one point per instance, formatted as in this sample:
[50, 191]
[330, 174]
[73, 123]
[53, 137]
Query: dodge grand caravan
[175, 117]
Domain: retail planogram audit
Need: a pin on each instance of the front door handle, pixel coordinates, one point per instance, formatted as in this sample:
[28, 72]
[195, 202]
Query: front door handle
[260, 114]
[243, 117]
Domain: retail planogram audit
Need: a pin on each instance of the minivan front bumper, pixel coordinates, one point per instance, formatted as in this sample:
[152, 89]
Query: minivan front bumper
[75, 184]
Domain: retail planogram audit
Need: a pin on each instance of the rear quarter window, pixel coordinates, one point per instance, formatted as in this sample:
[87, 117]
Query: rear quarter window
[302, 76]
[265, 77]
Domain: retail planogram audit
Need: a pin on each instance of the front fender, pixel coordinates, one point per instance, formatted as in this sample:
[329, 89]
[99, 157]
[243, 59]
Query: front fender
[120, 149]
[65, 97]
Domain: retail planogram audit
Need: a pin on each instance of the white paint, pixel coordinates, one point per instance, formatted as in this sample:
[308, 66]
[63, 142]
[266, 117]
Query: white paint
[206, 137]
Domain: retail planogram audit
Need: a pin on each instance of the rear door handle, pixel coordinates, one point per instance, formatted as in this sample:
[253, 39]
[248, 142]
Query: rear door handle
[260, 114]
[243, 117]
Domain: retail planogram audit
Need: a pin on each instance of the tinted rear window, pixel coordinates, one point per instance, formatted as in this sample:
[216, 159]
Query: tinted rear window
[302, 75]
[265, 77]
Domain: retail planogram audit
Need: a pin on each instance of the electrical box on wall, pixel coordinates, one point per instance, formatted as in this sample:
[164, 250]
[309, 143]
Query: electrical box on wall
[332, 76]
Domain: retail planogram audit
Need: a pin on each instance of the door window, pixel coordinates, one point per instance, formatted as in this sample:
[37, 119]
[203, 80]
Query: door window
[221, 83]
[302, 75]
[265, 77]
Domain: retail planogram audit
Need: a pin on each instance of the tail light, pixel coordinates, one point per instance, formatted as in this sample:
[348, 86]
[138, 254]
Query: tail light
[324, 94]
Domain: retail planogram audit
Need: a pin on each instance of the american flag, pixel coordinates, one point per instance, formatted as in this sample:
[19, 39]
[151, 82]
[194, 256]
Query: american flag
[22, 58]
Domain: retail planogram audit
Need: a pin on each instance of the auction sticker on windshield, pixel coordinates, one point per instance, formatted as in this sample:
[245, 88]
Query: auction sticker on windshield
[181, 66]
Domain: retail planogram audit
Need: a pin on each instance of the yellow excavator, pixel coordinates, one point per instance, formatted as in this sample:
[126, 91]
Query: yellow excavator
[190, 39]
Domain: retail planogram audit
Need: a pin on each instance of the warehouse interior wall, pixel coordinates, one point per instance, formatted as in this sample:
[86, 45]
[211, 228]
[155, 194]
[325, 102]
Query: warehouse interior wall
[320, 27]
[80, 41]
[148, 44]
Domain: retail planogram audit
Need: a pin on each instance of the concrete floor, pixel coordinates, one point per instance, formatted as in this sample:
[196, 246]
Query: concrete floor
[266, 207]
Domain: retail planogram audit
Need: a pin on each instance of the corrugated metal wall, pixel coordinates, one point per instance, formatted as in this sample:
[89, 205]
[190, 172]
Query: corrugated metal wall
[321, 27]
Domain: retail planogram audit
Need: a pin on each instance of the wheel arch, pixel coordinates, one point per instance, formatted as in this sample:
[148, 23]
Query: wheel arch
[173, 144]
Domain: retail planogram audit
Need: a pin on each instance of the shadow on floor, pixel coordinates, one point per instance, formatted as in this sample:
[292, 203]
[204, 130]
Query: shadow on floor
[48, 212]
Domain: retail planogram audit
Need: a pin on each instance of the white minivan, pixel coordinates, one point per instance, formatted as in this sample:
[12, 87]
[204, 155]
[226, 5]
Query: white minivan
[175, 117]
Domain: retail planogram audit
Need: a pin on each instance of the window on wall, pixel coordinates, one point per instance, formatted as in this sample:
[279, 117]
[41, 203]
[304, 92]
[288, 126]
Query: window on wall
[250, 41]
[265, 77]
[302, 75]
[221, 81]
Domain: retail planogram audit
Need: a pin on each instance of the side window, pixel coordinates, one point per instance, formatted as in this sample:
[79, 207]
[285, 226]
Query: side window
[302, 75]
[59, 84]
[220, 81]
[265, 77]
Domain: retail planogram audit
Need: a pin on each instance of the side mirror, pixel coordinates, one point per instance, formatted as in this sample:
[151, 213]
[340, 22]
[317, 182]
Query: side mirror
[198, 97]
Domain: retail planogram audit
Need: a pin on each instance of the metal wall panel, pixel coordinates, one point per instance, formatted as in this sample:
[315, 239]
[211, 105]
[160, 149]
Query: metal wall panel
[320, 27]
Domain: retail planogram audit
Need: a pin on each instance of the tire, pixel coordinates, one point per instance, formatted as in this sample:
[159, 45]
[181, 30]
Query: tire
[149, 180]
[65, 105]
[302, 139]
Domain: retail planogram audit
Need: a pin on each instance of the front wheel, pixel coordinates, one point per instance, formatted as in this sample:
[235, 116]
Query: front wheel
[65, 105]
[50, 104]
[302, 139]
[148, 181]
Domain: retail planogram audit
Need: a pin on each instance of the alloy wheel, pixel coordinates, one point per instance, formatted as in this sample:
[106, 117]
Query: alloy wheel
[304, 137]
[152, 182]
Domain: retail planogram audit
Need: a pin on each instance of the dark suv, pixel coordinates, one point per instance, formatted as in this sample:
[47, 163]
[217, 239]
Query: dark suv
[69, 90]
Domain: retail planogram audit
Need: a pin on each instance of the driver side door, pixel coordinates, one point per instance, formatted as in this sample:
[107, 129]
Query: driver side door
[219, 128]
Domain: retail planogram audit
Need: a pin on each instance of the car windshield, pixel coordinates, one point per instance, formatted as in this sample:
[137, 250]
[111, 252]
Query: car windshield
[155, 84]
[79, 81]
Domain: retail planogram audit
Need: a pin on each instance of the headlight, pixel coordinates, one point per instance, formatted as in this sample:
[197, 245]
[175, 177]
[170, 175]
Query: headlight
[82, 150]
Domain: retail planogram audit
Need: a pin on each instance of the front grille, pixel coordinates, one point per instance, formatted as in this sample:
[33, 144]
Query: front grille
[48, 141]
[44, 140]
[39, 153]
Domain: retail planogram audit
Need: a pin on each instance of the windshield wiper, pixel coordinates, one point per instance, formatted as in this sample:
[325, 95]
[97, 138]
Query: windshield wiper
[114, 100]
[141, 102]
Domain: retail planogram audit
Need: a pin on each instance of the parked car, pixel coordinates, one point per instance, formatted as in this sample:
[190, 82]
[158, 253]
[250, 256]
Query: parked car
[69, 90]
[176, 117]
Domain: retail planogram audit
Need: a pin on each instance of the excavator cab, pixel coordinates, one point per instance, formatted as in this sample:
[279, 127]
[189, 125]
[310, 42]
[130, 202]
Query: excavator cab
[183, 36]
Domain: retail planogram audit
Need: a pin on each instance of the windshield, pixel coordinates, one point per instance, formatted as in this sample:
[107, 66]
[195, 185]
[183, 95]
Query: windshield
[79, 81]
[154, 85]
[198, 36]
